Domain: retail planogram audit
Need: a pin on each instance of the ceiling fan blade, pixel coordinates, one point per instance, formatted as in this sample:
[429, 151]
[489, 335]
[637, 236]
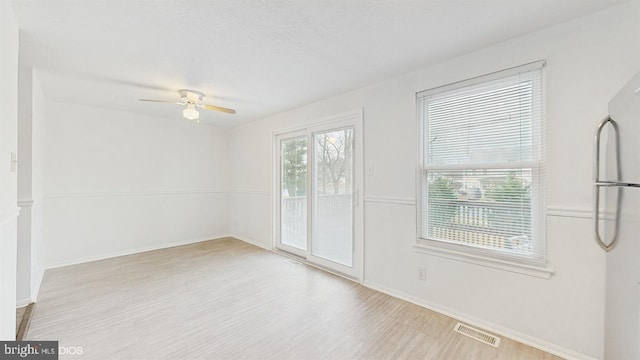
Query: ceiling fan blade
[218, 108]
[161, 101]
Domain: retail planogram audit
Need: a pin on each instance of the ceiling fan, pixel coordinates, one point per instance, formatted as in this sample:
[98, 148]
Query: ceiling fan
[191, 100]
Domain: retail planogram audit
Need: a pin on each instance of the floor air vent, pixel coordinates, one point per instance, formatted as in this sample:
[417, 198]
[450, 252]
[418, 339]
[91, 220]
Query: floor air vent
[477, 334]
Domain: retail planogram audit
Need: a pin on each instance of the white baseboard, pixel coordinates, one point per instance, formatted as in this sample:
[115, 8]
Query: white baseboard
[133, 251]
[487, 325]
[251, 241]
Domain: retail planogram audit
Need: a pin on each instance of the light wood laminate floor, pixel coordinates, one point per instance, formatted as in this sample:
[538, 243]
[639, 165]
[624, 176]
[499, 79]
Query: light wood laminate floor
[226, 299]
[19, 314]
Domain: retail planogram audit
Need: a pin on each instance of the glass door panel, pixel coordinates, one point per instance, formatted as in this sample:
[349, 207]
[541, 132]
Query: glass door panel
[332, 196]
[317, 182]
[293, 192]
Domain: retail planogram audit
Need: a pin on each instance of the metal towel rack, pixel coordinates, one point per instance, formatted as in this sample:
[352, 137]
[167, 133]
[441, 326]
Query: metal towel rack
[597, 183]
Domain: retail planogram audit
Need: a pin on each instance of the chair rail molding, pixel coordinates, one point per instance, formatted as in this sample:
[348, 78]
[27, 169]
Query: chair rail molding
[23, 203]
[9, 216]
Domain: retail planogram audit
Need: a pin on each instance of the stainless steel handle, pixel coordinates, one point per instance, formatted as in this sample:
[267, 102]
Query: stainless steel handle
[596, 222]
[616, 184]
[597, 183]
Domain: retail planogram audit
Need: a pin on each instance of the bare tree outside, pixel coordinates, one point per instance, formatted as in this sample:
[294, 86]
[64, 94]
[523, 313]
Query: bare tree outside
[334, 156]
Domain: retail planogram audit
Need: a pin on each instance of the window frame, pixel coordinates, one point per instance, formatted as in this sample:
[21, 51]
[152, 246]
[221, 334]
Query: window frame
[535, 265]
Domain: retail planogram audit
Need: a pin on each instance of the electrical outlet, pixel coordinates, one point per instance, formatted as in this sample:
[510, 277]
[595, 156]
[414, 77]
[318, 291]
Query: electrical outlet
[422, 273]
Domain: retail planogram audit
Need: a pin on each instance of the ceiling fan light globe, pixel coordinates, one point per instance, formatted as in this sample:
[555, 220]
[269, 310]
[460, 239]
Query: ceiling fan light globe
[191, 113]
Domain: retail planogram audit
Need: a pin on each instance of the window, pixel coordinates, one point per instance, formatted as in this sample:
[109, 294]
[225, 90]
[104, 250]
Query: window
[482, 166]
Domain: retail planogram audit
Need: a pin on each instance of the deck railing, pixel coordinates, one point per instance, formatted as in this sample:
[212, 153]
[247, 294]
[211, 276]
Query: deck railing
[486, 223]
[330, 211]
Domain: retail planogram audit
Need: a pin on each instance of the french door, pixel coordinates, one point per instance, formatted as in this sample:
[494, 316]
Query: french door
[319, 179]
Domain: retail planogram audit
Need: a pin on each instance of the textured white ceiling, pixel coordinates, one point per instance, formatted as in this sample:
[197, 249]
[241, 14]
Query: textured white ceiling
[257, 56]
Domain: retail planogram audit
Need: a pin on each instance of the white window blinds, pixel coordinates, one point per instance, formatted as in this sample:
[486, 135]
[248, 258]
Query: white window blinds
[481, 164]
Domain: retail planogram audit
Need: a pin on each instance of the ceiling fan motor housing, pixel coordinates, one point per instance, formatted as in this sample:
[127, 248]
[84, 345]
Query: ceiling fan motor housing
[191, 96]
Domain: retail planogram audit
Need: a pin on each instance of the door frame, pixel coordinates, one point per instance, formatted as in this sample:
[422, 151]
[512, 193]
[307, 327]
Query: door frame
[353, 118]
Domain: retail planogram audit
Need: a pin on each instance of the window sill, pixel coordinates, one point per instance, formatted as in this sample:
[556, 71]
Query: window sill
[539, 271]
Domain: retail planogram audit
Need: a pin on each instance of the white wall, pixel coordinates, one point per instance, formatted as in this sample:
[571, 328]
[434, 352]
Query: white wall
[119, 182]
[38, 156]
[25, 109]
[32, 111]
[8, 179]
[588, 60]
